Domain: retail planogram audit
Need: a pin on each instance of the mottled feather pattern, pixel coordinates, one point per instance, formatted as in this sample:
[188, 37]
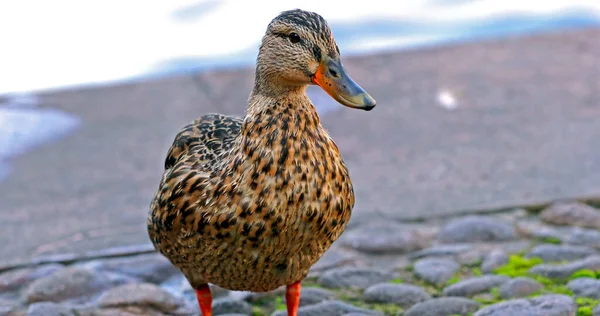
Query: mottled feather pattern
[251, 204]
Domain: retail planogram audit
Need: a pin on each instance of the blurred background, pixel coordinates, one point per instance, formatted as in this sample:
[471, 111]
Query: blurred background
[57, 57]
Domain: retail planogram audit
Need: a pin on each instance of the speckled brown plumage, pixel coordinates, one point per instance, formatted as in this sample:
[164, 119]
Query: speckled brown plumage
[269, 195]
[252, 203]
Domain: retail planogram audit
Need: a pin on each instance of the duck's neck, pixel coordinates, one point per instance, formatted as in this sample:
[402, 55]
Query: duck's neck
[290, 111]
[275, 121]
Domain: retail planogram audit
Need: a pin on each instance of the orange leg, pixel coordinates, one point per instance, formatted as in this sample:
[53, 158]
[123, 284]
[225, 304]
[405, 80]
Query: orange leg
[292, 298]
[204, 299]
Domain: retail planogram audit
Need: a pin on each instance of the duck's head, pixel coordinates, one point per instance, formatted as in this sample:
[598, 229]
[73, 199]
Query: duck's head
[297, 50]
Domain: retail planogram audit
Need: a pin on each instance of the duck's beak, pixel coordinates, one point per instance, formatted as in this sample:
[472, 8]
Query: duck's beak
[332, 77]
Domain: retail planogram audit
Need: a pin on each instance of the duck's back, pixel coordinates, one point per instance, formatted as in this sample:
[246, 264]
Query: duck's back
[203, 142]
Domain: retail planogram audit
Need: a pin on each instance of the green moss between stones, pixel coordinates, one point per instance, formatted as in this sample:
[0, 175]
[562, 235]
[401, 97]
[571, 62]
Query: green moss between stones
[585, 306]
[549, 240]
[311, 282]
[397, 281]
[585, 273]
[257, 311]
[279, 304]
[517, 266]
[455, 279]
[355, 298]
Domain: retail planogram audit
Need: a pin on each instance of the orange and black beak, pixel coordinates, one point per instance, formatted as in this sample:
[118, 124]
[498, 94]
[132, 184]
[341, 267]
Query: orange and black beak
[332, 77]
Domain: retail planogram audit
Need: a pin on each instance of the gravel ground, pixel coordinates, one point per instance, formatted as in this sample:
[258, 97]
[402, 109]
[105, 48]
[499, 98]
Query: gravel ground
[522, 262]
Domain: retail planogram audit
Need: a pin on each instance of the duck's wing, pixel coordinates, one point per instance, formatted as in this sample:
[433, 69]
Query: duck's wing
[194, 157]
[204, 141]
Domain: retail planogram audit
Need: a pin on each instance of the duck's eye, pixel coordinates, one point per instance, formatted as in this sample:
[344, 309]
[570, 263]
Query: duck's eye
[294, 37]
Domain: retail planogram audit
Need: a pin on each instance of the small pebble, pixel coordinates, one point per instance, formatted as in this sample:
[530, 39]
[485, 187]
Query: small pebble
[329, 308]
[333, 258]
[15, 279]
[69, 283]
[435, 270]
[585, 287]
[441, 251]
[444, 306]
[358, 278]
[48, 309]
[384, 238]
[550, 252]
[314, 295]
[545, 305]
[496, 258]
[571, 214]
[583, 237]
[144, 294]
[519, 287]
[476, 285]
[476, 228]
[152, 268]
[403, 295]
[564, 271]
[229, 306]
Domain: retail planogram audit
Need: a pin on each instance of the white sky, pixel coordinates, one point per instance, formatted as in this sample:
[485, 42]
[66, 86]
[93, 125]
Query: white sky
[54, 43]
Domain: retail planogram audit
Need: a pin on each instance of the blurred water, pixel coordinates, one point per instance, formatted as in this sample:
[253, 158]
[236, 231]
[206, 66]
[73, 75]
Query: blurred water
[23, 126]
[66, 43]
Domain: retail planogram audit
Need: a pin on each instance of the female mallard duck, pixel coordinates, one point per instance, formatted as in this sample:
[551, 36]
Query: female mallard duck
[251, 204]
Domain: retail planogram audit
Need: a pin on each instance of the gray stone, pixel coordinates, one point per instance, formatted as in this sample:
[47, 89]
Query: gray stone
[519, 287]
[538, 230]
[475, 228]
[493, 260]
[153, 268]
[70, 283]
[49, 309]
[441, 251]
[583, 237]
[596, 311]
[314, 295]
[359, 278]
[550, 252]
[130, 310]
[329, 308]
[545, 305]
[443, 306]
[333, 258]
[229, 306]
[564, 271]
[435, 270]
[143, 295]
[384, 238]
[403, 295]
[476, 285]
[8, 305]
[471, 257]
[586, 287]
[15, 279]
[572, 214]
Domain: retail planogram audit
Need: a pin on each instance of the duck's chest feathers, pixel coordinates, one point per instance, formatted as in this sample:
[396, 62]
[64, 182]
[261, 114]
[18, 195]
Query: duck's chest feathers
[296, 171]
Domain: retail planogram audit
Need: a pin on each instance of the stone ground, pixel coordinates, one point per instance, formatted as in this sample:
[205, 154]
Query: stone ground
[523, 262]
[526, 130]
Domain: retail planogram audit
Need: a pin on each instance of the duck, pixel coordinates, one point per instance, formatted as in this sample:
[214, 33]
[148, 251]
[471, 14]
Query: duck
[252, 203]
